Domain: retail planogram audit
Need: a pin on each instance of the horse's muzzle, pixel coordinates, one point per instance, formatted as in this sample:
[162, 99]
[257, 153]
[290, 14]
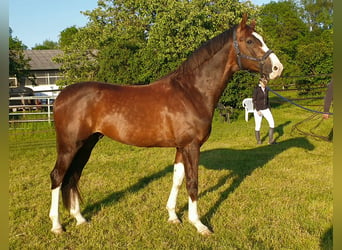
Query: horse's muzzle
[277, 68]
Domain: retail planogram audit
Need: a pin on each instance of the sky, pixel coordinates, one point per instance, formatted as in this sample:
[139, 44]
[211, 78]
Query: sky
[34, 21]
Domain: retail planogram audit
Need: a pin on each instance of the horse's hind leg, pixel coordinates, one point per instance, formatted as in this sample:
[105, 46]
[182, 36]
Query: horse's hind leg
[65, 176]
[75, 209]
[80, 159]
[178, 176]
[57, 174]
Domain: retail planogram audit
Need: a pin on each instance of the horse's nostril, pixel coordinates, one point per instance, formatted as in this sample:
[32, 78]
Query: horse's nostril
[275, 68]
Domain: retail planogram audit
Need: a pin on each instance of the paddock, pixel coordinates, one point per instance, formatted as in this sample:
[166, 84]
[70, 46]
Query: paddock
[252, 197]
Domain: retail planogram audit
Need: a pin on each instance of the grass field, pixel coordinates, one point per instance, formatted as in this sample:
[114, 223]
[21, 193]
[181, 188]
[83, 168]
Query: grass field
[252, 197]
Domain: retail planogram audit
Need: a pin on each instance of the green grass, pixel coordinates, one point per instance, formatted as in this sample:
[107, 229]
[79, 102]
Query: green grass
[252, 197]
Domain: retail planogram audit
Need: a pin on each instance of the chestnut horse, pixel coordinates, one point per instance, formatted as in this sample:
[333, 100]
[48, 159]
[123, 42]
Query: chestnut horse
[175, 111]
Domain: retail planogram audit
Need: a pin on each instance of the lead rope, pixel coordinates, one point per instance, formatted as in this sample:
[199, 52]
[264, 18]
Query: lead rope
[312, 117]
[300, 106]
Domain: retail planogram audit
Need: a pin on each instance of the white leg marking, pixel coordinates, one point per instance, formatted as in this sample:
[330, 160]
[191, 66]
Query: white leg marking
[178, 176]
[54, 216]
[194, 218]
[75, 209]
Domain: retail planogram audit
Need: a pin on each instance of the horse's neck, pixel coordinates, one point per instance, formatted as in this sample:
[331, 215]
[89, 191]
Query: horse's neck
[211, 78]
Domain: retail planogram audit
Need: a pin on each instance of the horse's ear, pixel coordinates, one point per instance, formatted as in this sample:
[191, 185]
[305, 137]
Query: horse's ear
[253, 24]
[244, 21]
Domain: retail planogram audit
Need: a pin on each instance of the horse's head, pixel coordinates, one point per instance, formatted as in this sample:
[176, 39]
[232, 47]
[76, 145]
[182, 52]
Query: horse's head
[252, 53]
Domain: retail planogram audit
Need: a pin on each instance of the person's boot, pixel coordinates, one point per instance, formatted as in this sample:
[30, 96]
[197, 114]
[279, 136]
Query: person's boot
[257, 137]
[270, 136]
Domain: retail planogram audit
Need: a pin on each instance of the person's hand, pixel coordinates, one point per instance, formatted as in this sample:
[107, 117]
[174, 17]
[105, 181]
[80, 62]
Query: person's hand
[259, 113]
[325, 116]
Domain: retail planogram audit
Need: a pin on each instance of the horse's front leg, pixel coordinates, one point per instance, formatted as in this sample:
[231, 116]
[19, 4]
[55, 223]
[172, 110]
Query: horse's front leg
[194, 218]
[191, 158]
[178, 176]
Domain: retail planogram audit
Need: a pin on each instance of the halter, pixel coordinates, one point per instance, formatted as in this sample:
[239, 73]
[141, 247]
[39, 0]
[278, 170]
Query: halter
[240, 55]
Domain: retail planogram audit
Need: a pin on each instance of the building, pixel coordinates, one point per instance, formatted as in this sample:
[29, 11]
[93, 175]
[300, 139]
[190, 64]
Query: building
[44, 69]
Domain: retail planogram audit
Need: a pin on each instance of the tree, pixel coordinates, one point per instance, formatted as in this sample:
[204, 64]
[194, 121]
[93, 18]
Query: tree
[318, 14]
[18, 64]
[130, 41]
[315, 55]
[79, 60]
[47, 44]
[301, 35]
[181, 27]
[283, 31]
[67, 36]
[315, 52]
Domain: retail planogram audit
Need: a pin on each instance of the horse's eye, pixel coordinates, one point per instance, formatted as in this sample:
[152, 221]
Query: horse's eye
[250, 41]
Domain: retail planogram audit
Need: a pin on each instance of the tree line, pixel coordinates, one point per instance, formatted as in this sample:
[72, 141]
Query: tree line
[139, 41]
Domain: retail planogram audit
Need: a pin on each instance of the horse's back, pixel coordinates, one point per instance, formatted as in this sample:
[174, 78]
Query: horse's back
[130, 114]
[77, 90]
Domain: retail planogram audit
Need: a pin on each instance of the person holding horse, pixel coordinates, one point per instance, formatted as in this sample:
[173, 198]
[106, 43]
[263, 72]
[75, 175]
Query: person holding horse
[262, 109]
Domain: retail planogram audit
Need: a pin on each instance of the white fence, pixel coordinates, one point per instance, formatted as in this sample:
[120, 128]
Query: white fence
[31, 109]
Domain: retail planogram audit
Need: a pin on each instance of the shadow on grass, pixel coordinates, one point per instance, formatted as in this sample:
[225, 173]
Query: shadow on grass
[241, 163]
[327, 239]
[94, 208]
[278, 130]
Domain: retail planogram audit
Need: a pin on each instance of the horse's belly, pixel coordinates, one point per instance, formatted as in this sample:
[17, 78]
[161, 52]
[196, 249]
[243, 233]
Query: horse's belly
[148, 133]
[142, 137]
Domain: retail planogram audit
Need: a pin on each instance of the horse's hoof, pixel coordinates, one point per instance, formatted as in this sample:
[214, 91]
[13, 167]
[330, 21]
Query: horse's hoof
[83, 222]
[174, 221]
[206, 232]
[59, 230]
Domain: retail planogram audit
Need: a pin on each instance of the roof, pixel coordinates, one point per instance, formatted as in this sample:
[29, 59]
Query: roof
[42, 59]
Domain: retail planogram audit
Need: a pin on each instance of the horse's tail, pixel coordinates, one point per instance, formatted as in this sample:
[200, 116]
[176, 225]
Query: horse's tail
[70, 183]
[73, 175]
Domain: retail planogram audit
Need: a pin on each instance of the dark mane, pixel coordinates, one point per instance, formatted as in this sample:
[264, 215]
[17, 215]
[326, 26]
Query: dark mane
[204, 52]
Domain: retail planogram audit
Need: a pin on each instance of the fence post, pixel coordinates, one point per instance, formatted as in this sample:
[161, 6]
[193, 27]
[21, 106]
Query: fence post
[49, 111]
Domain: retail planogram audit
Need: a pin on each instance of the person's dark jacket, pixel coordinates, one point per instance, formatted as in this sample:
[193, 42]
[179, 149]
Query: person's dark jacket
[260, 98]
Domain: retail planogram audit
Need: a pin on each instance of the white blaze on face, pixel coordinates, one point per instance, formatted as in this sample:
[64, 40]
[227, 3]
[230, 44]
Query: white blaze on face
[277, 67]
